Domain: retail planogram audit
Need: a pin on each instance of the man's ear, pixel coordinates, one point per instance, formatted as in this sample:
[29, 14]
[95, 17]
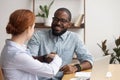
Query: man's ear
[70, 24]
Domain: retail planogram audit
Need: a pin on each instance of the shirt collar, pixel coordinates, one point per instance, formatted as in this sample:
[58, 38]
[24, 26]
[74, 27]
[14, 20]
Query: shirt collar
[12, 43]
[62, 37]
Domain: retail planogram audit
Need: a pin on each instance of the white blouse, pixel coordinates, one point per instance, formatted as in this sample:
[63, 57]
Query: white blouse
[18, 64]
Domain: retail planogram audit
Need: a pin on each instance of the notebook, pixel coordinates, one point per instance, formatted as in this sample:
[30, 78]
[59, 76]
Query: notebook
[99, 70]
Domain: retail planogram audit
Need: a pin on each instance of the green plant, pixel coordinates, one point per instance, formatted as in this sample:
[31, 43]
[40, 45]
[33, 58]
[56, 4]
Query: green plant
[44, 10]
[115, 56]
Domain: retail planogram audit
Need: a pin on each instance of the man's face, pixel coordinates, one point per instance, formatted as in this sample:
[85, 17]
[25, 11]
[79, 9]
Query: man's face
[60, 23]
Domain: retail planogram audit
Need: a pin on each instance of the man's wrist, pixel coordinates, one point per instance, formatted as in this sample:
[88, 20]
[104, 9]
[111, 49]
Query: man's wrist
[78, 66]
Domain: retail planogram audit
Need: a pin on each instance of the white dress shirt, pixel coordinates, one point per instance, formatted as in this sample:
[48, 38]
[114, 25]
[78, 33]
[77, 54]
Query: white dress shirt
[18, 64]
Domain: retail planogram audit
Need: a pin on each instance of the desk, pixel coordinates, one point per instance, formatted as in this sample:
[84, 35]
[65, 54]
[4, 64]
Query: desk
[113, 68]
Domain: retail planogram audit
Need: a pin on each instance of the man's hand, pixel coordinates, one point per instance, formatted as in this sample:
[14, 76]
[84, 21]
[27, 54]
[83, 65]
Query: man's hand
[40, 58]
[46, 58]
[67, 69]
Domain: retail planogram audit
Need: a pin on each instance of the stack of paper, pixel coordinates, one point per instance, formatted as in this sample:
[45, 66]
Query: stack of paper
[83, 74]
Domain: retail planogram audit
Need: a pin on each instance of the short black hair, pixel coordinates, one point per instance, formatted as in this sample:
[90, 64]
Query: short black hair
[66, 10]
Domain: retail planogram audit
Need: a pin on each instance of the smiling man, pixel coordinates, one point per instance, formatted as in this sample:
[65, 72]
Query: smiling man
[64, 43]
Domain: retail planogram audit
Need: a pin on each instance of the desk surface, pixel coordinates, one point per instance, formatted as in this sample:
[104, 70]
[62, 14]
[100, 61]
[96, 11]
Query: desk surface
[113, 68]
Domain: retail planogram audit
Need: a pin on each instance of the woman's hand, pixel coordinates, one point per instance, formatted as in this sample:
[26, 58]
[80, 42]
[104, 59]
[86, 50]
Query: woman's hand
[50, 57]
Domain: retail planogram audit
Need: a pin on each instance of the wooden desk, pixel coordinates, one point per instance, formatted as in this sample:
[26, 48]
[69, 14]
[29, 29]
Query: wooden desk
[113, 68]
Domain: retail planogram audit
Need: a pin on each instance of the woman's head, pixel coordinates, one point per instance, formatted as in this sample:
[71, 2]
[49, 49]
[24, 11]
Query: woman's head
[19, 21]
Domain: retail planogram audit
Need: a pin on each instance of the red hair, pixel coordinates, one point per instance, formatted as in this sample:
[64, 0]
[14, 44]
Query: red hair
[19, 21]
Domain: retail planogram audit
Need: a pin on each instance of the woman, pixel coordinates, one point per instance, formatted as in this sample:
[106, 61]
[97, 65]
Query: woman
[17, 63]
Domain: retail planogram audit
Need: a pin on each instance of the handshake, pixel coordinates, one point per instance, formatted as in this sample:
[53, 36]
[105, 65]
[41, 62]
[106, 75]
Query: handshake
[46, 58]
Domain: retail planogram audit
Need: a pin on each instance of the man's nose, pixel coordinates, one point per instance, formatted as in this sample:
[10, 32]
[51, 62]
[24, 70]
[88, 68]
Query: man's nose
[58, 22]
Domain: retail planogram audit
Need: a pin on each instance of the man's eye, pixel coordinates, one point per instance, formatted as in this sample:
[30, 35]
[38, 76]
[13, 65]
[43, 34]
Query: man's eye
[63, 20]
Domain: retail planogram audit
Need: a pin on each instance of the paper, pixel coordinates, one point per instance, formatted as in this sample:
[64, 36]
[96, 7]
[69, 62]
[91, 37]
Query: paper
[87, 74]
[79, 79]
[83, 74]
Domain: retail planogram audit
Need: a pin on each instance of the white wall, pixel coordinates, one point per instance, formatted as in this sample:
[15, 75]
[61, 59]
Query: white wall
[102, 21]
[6, 8]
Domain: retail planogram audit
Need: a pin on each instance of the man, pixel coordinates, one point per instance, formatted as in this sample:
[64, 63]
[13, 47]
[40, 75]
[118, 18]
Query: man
[64, 43]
